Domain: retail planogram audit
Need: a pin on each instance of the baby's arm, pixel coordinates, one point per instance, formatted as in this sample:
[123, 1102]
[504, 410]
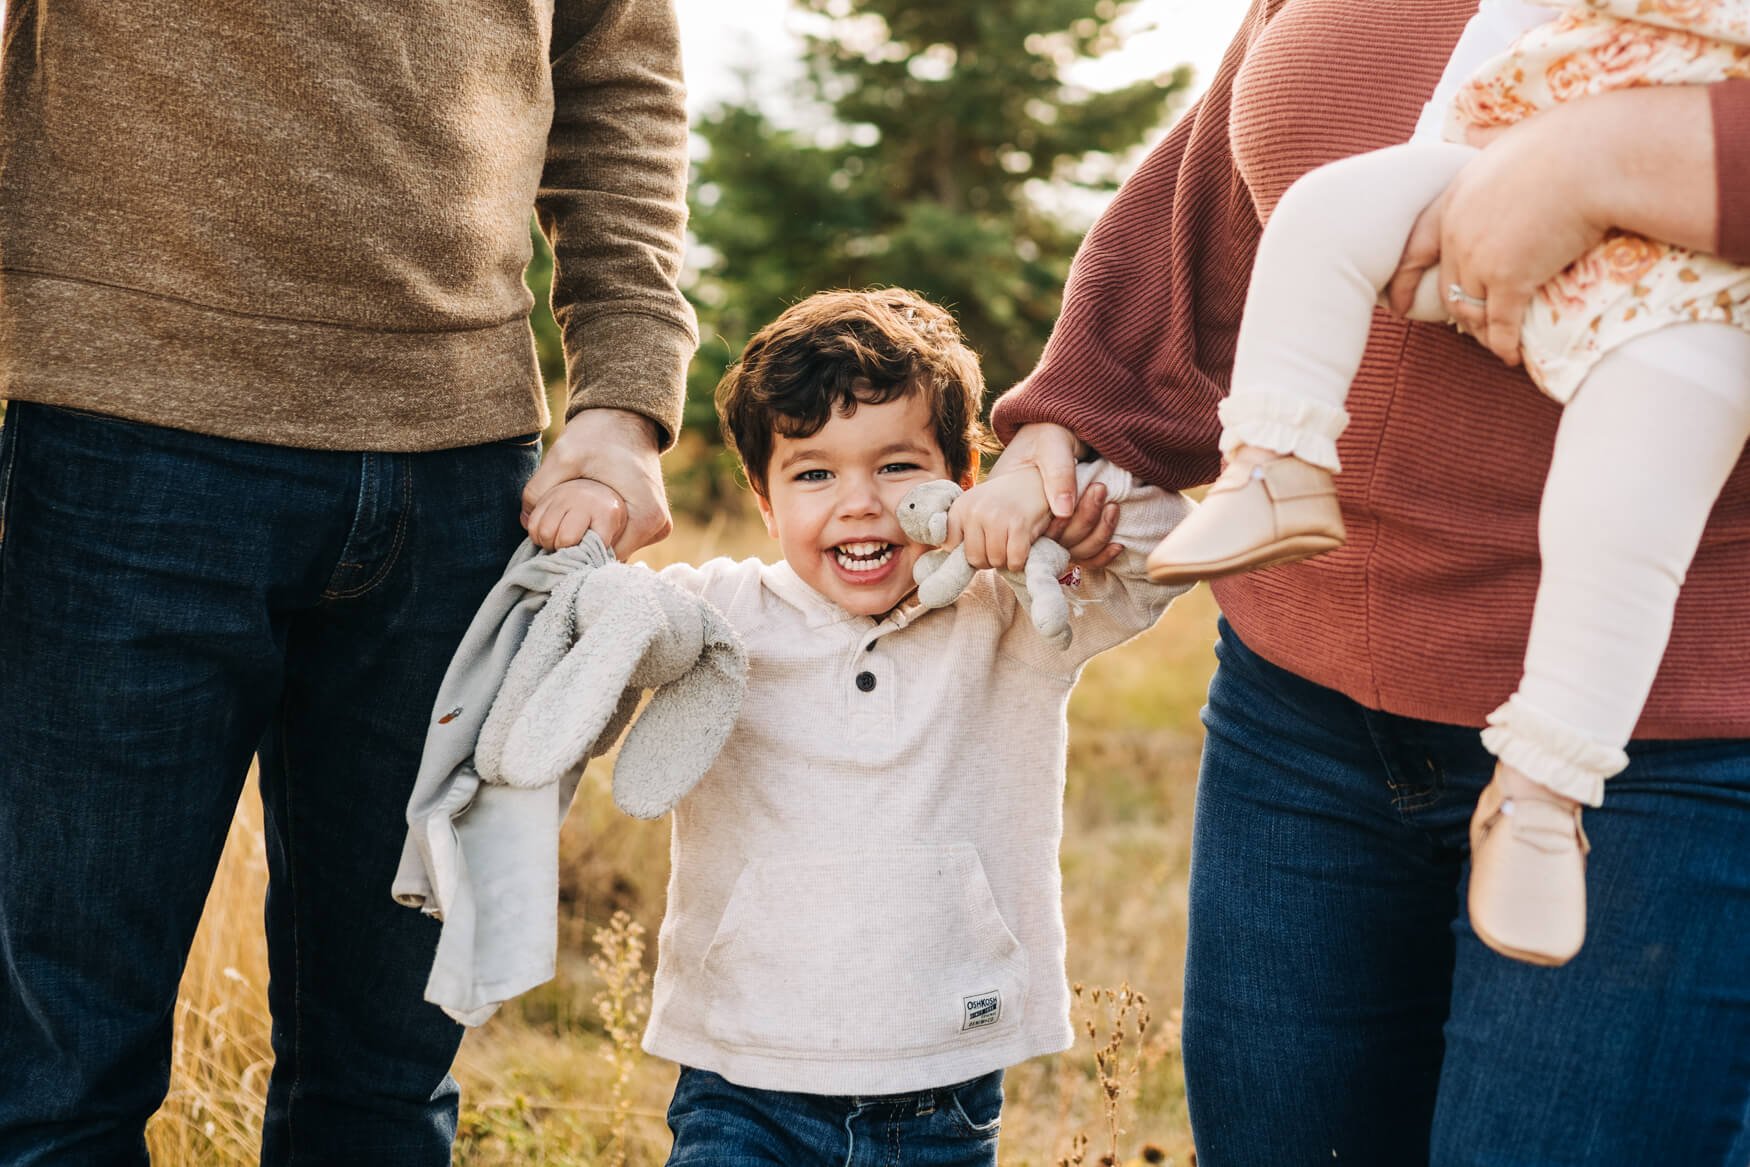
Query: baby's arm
[568, 511]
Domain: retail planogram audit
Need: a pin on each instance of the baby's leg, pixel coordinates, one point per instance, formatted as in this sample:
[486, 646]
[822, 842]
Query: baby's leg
[1642, 452]
[1330, 247]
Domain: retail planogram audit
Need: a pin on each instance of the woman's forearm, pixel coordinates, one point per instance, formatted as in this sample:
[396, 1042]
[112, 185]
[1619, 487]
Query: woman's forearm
[1647, 160]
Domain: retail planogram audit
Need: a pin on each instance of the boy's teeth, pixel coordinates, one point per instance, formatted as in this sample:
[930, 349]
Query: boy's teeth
[863, 556]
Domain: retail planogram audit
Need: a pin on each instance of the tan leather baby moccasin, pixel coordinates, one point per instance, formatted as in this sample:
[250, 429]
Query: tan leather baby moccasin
[1527, 877]
[1253, 516]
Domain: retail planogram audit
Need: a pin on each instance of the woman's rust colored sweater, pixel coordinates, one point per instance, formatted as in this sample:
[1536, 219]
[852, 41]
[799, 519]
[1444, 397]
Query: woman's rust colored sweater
[1425, 611]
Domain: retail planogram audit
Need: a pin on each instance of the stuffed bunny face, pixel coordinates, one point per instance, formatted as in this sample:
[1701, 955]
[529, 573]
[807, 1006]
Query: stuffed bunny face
[833, 497]
[923, 512]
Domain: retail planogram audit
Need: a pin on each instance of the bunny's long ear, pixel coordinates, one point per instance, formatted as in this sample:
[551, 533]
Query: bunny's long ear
[679, 734]
[561, 725]
[938, 528]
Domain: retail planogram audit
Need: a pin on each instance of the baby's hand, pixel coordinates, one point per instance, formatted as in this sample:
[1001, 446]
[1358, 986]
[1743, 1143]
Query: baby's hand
[999, 519]
[570, 510]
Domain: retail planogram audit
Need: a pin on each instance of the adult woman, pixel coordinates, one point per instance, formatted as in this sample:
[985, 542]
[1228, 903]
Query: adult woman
[1338, 1007]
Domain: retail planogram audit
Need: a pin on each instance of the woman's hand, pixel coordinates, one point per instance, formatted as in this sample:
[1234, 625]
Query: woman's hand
[1052, 450]
[1545, 191]
[1512, 218]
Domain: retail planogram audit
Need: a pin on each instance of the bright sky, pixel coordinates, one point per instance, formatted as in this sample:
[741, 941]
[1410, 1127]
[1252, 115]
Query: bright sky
[719, 37]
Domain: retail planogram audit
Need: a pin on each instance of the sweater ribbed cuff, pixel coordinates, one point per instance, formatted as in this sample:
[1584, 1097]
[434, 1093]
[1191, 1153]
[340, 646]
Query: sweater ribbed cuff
[1730, 101]
[1115, 420]
[629, 360]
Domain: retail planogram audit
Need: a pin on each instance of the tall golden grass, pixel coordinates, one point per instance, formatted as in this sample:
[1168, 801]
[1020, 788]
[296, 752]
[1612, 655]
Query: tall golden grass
[546, 1083]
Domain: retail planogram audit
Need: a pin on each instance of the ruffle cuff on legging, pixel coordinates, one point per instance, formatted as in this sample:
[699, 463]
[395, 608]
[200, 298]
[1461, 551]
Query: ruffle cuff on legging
[1550, 752]
[1284, 422]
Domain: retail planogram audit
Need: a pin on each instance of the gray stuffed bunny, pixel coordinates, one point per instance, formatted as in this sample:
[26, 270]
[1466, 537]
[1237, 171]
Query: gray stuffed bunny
[942, 575]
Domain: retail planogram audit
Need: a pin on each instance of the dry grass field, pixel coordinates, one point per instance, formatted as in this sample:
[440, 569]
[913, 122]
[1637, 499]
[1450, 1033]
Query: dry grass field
[547, 1083]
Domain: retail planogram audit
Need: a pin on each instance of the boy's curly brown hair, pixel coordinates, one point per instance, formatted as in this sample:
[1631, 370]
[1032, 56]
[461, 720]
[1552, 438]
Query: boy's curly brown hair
[837, 350]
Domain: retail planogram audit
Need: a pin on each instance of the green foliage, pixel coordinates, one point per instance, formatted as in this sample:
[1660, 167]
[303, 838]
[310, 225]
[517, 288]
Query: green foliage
[934, 137]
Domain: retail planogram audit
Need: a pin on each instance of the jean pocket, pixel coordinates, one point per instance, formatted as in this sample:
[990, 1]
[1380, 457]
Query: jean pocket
[876, 954]
[978, 1106]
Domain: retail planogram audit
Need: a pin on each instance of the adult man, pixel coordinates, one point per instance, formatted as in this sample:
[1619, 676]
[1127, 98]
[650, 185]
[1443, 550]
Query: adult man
[273, 400]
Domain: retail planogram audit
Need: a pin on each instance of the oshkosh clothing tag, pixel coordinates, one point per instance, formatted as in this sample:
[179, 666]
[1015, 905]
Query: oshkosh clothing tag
[980, 1010]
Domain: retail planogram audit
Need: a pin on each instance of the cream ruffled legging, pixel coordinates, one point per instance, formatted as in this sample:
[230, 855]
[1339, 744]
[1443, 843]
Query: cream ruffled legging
[1641, 453]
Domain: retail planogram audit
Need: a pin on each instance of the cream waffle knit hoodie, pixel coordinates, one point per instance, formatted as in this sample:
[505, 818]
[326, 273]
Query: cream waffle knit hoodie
[865, 896]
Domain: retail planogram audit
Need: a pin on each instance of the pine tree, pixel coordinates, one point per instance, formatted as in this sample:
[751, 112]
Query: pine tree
[939, 137]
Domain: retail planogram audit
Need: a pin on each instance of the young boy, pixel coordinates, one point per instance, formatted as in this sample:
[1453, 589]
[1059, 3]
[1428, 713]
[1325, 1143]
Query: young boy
[863, 923]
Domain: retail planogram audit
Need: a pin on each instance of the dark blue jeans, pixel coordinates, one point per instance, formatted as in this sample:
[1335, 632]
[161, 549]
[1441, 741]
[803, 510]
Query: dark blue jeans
[719, 1124]
[169, 605]
[1339, 1010]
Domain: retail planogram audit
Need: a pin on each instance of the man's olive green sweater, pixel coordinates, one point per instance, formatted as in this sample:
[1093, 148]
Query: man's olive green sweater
[306, 223]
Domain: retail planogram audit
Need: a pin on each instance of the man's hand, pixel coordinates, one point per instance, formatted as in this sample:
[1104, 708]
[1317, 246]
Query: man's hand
[618, 450]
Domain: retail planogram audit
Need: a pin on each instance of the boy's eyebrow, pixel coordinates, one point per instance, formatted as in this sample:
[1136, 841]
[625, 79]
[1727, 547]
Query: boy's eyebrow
[795, 456]
[907, 446]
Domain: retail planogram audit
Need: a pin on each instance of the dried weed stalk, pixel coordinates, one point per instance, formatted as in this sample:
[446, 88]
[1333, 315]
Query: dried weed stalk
[623, 1002]
[1117, 1023]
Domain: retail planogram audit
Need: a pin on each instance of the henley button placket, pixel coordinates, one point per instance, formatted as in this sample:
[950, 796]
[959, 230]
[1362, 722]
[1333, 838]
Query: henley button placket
[870, 696]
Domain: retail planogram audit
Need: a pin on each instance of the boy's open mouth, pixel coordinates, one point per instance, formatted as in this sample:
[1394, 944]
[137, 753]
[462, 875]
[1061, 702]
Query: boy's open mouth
[863, 556]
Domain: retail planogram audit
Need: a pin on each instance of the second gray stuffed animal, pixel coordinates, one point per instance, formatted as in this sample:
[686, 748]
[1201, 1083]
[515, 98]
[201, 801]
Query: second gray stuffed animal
[942, 575]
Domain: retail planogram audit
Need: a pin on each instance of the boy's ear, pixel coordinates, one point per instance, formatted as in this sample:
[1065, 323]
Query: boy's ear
[766, 514]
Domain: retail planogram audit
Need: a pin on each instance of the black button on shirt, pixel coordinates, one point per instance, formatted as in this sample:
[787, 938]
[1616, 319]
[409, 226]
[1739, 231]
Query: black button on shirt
[866, 682]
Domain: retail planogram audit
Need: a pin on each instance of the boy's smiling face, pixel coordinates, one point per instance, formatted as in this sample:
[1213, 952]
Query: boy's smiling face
[832, 501]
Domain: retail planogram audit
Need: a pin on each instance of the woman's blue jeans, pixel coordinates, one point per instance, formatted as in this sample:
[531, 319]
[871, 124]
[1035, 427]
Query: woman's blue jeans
[169, 605]
[1339, 1010]
[719, 1124]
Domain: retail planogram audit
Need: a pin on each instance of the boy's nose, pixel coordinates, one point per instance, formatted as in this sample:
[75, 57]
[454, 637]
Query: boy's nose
[859, 498]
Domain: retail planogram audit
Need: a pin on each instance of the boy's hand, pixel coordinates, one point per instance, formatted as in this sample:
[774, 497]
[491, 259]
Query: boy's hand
[998, 520]
[567, 512]
[616, 449]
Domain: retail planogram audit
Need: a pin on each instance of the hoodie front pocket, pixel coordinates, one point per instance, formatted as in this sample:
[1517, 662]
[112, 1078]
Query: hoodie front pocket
[874, 953]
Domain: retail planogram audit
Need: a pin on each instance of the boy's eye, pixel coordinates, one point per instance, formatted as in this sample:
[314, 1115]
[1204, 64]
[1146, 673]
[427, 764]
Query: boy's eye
[898, 467]
[813, 476]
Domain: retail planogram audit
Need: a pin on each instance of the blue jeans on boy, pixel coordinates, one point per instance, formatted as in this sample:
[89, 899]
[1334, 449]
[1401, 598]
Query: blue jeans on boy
[719, 1124]
[170, 604]
[1338, 1008]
